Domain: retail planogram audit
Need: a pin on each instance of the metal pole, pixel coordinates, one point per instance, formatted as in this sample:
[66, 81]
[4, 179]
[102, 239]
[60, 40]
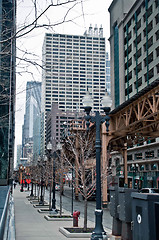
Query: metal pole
[32, 189]
[53, 190]
[41, 197]
[98, 232]
[22, 181]
[72, 191]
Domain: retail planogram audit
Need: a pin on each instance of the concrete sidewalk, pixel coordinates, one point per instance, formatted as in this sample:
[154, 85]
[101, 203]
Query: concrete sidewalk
[31, 225]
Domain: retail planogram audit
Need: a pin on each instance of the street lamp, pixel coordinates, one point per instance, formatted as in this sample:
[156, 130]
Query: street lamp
[22, 168]
[134, 168]
[42, 165]
[53, 208]
[106, 102]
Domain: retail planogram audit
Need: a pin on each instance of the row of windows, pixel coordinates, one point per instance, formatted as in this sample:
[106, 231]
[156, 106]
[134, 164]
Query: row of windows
[138, 68]
[147, 76]
[63, 37]
[146, 46]
[140, 155]
[146, 15]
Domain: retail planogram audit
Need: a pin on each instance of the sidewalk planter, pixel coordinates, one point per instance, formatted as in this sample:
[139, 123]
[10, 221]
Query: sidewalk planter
[67, 232]
[58, 218]
[46, 210]
[41, 206]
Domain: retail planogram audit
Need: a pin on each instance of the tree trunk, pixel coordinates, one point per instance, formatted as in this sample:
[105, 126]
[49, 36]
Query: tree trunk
[85, 214]
[50, 197]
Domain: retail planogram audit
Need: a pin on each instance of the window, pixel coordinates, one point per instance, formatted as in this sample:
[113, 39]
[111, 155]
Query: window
[128, 90]
[129, 157]
[138, 25]
[138, 40]
[149, 12]
[157, 35]
[150, 75]
[138, 54]
[138, 68]
[157, 52]
[149, 59]
[149, 28]
[128, 78]
[149, 43]
[138, 83]
[149, 154]
[128, 64]
[138, 156]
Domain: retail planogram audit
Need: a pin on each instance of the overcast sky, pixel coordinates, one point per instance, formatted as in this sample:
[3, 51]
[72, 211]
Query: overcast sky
[79, 18]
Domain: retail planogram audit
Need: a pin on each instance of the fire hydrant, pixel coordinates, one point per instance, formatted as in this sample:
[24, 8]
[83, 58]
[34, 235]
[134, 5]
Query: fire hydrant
[75, 218]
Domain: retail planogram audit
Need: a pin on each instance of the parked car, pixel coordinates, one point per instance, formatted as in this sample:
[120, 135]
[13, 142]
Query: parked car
[149, 190]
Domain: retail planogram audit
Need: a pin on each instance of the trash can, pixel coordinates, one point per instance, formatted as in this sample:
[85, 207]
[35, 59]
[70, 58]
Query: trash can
[125, 212]
[145, 216]
[114, 199]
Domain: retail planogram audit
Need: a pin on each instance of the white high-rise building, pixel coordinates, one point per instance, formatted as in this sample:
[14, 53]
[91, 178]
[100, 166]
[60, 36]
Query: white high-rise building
[71, 65]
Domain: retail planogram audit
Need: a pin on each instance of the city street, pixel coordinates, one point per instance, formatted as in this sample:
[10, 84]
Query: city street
[79, 205]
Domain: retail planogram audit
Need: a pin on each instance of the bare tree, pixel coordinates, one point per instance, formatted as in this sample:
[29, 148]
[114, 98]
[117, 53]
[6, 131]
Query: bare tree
[79, 151]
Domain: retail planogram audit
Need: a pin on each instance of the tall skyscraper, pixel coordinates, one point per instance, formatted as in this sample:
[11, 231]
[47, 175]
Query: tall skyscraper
[32, 115]
[108, 79]
[7, 88]
[71, 64]
[19, 154]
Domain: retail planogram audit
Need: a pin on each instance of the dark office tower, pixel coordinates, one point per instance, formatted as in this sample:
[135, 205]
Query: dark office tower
[7, 88]
[31, 127]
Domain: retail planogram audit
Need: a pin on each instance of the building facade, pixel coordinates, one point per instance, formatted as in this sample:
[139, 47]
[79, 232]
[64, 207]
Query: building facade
[7, 89]
[108, 79]
[19, 154]
[134, 44]
[72, 64]
[31, 127]
[58, 122]
[135, 56]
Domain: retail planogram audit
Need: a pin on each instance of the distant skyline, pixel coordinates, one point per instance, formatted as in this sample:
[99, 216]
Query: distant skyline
[94, 13]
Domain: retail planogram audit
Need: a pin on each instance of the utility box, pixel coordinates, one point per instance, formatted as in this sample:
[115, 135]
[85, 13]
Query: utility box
[125, 204]
[145, 216]
[113, 202]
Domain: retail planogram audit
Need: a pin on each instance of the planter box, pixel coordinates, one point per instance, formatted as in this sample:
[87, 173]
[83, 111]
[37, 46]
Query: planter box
[66, 233]
[46, 210]
[56, 217]
[40, 206]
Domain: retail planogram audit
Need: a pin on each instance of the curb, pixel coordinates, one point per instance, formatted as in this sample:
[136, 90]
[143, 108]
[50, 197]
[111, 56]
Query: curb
[74, 235]
[57, 219]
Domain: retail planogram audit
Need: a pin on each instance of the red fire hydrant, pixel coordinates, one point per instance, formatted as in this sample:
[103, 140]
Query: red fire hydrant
[75, 218]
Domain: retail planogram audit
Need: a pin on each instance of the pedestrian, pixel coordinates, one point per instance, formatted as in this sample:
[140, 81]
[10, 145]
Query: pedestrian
[14, 184]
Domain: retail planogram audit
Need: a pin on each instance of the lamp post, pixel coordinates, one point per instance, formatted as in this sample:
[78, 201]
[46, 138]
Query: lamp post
[106, 102]
[134, 168]
[22, 168]
[72, 193]
[42, 163]
[53, 207]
